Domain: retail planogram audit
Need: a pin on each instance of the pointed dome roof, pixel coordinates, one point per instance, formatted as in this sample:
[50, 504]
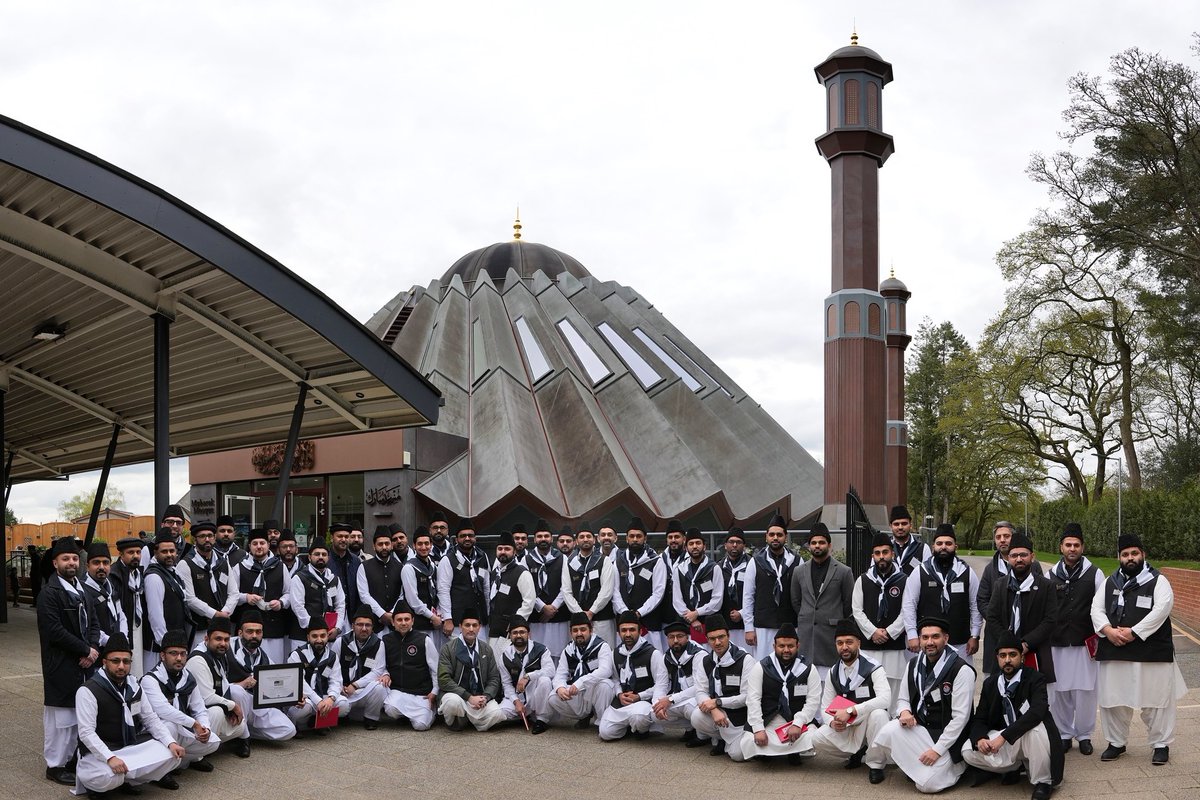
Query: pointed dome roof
[524, 257]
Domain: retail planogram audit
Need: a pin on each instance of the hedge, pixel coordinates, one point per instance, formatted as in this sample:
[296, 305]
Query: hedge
[1167, 521]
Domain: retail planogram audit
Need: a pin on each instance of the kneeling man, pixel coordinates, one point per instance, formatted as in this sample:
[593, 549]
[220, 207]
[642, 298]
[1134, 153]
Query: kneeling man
[783, 694]
[583, 685]
[322, 687]
[721, 677]
[862, 688]
[468, 677]
[176, 699]
[641, 681]
[527, 674]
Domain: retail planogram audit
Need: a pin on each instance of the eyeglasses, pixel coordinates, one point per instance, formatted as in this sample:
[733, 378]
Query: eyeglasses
[125, 661]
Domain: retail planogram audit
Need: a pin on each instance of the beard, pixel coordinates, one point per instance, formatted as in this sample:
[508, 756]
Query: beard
[943, 560]
[1132, 568]
[636, 550]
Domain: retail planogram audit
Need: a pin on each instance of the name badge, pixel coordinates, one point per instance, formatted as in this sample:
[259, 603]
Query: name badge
[646, 573]
[504, 588]
[931, 584]
[1145, 602]
[594, 575]
[957, 588]
[223, 577]
[641, 672]
[1024, 709]
[862, 692]
[706, 586]
[733, 680]
[800, 690]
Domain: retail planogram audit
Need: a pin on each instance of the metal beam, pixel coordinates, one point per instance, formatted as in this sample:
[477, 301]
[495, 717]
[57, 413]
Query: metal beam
[5, 466]
[162, 413]
[285, 471]
[102, 487]
[32, 458]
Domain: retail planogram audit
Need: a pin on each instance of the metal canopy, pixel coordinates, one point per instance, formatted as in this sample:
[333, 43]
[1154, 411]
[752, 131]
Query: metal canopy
[93, 251]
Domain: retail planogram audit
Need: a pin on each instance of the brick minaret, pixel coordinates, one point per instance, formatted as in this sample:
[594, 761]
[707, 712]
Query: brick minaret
[896, 295]
[856, 376]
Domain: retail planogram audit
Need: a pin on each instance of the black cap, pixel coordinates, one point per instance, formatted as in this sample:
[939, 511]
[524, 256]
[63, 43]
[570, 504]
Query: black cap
[635, 524]
[1127, 540]
[541, 525]
[580, 618]
[938, 622]
[251, 616]
[420, 531]
[225, 519]
[287, 535]
[203, 525]
[117, 643]
[715, 622]
[339, 527]
[318, 544]
[518, 622]
[519, 528]
[787, 631]
[694, 533]
[175, 638]
[257, 533]
[470, 613]
[163, 536]
[220, 625]
[437, 516]
[363, 612]
[565, 530]
[464, 524]
[899, 512]
[382, 532]
[271, 525]
[506, 538]
[819, 529]
[98, 550]
[402, 607]
[584, 526]
[777, 521]
[881, 539]
[174, 510]
[674, 526]
[1008, 640]
[316, 623]
[1020, 540]
[847, 627]
[628, 617]
[676, 626]
[395, 528]
[126, 542]
[1072, 530]
[945, 529]
[735, 533]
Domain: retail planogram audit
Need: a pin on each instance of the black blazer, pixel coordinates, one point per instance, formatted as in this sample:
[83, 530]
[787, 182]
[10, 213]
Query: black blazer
[63, 643]
[1039, 618]
[989, 715]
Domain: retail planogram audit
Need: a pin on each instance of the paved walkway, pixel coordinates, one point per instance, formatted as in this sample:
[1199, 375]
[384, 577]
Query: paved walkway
[353, 764]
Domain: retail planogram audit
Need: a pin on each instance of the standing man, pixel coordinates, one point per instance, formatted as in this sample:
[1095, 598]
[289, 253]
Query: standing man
[548, 624]
[322, 679]
[100, 593]
[289, 553]
[1076, 582]
[260, 581]
[70, 644]
[512, 592]
[361, 659]
[944, 587]
[205, 578]
[783, 695]
[721, 677]
[861, 685]
[521, 543]
[1012, 727]
[767, 590]
[164, 598]
[997, 569]
[244, 656]
[698, 587]
[463, 581]
[733, 572]
[822, 590]
[1026, 605]
[468, 677]
[313, 592]
[209, 665]
[1132, 615]
[418, 582]
[274, 533]
[344, 563]
[641, 678]
[878, 595]
[583, 685]
[357, 540]
[641, 582]
[116, 725]
[400, 548]
[173, 695]
[173, 521]
[225, 546]
[439, 529]
[680, 701]
[607, 539]
[411, 662]
[127, 583]
[527, 675]
[588, 583]
[926, 739]
[379, 584]
[910, 551]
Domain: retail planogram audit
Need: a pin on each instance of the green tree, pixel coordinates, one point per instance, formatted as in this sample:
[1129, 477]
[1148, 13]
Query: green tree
[81, 504]
[9, 517]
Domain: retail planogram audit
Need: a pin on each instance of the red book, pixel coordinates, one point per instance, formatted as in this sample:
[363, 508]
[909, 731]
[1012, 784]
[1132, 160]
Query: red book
[329, 720]
[782, 731]
[840, 703]
[1092, 643]
[1031, 660]
[331, 620]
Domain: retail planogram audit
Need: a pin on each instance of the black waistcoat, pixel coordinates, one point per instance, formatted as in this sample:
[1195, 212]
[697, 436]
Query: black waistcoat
[354, 665]
[110, 717]
[938, 710]
[733, 596]
[425, 591]
[533, 661]
[506, 602]
[463, 594]
[1074, 607]
[726, 685]
[772, 686]
[1158, 646]
[275, 623]
[929, 602]
[383, 581]
[638, 662]
[218, 668]
[175, 610]
[594, 584]
[405, 657]
[864, 668]
[768, 613]
[203, 589]
[870, 594]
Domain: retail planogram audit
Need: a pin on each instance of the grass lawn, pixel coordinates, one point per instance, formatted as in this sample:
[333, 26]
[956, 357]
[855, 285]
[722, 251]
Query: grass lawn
[1106, 565]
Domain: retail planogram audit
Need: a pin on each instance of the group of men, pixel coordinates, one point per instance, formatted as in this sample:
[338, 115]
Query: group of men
[150, 660]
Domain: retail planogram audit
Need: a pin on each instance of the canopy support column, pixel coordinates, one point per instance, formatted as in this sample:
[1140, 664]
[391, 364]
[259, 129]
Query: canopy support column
[285, 471]
[162, 413]
[102, 487]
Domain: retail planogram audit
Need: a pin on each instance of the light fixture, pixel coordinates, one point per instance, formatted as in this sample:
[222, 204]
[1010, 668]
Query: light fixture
[49, 332]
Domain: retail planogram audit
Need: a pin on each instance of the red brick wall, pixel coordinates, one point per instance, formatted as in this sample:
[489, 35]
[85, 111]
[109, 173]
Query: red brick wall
[1186, 585]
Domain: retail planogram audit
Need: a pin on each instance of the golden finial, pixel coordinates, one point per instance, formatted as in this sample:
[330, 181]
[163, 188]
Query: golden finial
[517, 226]
[854, 34]
[892, 270]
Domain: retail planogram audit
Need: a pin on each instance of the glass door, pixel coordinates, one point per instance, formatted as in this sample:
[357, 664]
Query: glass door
[303, 514]
[245, 512]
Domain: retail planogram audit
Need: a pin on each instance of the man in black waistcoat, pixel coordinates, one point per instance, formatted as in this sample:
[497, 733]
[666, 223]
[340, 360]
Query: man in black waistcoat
[344, 563]
[909, 549]
[260, 581]
[224, 544]
[1132, 615]
[411, 663]
[862, 689]
[244, 657]
[418, 580]
[164, 600]
[322, 680]
[875, 605]
[100, 593]
[527, 675]
[733, 575]
[1012, 726]
[641, 582]
[1027, 605]
[997, 569]
[680, 702]
[117, 723]
[361, 659]
[1076, 581]
[721, 677]
[463, 580]
[126, 577]
[783, 696]
[512, 592]
[205, 578]
[548, 624]
[379, 584]
[925, 741]
[589, 581]
[766, 590]
[316, 591]
[697, 585]
[439, 531]
[944, 587]
[70, 644]
[583, 684]
[641, 680]
[209, 664]
[174, 696]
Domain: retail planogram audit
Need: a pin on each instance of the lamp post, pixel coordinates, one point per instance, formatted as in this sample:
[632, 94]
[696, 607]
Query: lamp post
[1120, 486]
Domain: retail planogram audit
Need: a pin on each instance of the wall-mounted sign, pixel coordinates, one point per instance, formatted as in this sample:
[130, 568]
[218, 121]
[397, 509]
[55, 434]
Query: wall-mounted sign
[384, 495]
[268, 459]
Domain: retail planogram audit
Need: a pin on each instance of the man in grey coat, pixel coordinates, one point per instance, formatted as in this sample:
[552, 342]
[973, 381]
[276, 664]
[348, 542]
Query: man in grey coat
[822, 591]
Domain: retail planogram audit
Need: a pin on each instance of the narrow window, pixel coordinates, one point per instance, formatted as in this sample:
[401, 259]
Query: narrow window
[596, 369]
[698, 368]
[641, 369]
[852, 112]
[478, 354]
[539, 367]
[674, 365]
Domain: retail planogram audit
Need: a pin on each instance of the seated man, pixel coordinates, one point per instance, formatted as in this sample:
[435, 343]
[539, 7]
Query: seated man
[783, 695]
[209, 665]
[583, 684]
[468, 677]
[360, 654]
[411, 663]
[925, 740]
[115, 724]
[863, 684]
[173, 694]
[527, 675]
[322, 687]
[721, 677]
[641, 681]
[680, 701]
[246, 653]
[1012, 726]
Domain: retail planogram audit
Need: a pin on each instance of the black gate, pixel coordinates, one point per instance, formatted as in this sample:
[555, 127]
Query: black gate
[859, 533]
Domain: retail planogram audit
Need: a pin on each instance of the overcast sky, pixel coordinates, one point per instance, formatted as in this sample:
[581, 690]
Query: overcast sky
[666, 145]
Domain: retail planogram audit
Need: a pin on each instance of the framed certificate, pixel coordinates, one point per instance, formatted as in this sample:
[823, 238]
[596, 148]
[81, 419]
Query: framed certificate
[278, 685]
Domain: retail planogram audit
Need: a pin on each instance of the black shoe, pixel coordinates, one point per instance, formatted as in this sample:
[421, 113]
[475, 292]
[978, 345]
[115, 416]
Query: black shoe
[1041, 792]
[201, 766]
[129, 789]
[854, 761]
[1112, 753]
[689, 735]
[61, 775]
[240, 748]
[717, 749]
[696, 741]
[875, 775]
[97, 795]
[1085, 747]
[583, 724]
[538, 727]
[795, 759]
[167, 782]
[641, 736]
[982, 776]
[1066, 745]
[1161, 756]
[370, 724]
[455, 724]
[1011, 778]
